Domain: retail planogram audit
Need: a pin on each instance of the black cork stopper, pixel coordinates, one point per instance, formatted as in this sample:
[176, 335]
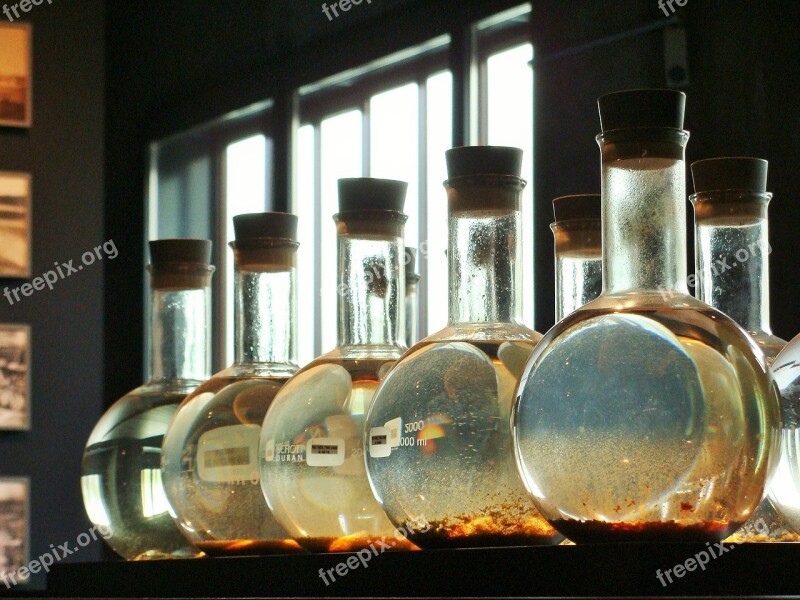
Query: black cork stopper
[730, 173]
[267, 225]
[483, 160]
[641, 108]
[171, 251]
[367, 193]
[579, 206]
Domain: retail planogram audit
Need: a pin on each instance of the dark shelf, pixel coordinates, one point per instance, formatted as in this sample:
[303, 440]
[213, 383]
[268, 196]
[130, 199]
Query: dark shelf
[621, 570]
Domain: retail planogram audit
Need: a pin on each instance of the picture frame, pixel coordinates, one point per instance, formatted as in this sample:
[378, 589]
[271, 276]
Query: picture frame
[15, 224]
[16, 75]
[15, 382]
[14, 528]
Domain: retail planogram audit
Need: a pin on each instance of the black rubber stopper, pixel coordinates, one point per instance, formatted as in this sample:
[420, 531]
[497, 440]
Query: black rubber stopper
[180, 251]
[411, 261]
[730, 173]
[266, 225]
[367, 193]
[641, 108]
[483, 160]
[579, 206]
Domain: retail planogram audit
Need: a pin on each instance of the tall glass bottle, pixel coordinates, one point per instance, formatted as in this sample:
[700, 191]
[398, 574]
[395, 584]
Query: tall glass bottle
[121, 475]
[412, 297]
[732, 257]
[438, 432]
[784, 488]
[311, 456]
[578, 251]
[209, 453]
[645, 414]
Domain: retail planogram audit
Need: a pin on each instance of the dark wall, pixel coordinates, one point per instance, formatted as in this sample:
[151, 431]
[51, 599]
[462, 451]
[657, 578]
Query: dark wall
[64, 152]
[743, 59]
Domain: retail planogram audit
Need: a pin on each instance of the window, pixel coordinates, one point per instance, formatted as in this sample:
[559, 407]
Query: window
[397, 123]
[393, 118]
[199, 181]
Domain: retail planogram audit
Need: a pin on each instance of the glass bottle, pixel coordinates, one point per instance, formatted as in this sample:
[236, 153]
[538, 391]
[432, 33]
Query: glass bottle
[784, 488]
[645, 415]
[578, 251]
[311, 456]
[209, 453]
[438, 431]
[121, 475]
[732, 257]
[412, 297]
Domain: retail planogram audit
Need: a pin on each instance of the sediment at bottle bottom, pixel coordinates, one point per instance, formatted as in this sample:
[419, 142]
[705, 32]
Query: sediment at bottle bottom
[354, 543]
[587, 532]
[249, 547]
[484, 531]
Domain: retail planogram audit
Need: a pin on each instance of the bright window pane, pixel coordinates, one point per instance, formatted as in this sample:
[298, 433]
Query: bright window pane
[510, 109]
[340, 137]
[245, 192]
[305, 208]
[394, 146]
[440, 135]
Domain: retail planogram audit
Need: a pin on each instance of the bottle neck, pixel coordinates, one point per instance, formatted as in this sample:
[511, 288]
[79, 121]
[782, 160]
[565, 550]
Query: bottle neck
[180, 328]
[371, 278]
[578, 263]
[643, 210]
[732, 255]
[484, 249]
[265, 291]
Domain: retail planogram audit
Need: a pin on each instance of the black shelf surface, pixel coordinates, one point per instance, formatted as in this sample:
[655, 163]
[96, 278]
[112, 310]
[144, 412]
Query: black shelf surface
[620, 570]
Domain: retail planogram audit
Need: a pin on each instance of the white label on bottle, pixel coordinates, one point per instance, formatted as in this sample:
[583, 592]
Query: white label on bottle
[395, 427]
[380, 442]
[325, 452]
[269, 451]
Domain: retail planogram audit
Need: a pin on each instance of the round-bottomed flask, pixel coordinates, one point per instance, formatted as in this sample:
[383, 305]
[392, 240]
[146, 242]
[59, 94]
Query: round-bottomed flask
[438, 431]
[784, 488]
[645, 415]
[732, 257]
[578, 251]
[209, 463]
[412, 297]
[311, 456]
[121, 472]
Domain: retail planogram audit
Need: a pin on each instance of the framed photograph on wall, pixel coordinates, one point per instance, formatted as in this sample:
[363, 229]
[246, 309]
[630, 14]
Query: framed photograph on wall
[15, 74]
[15, 383]
[15, 224]
[14, 528]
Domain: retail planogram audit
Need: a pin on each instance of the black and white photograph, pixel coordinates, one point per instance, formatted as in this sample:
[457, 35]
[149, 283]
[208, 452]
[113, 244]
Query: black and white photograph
[14, 377]
[15, 75]
[14, 526]
[15, 224]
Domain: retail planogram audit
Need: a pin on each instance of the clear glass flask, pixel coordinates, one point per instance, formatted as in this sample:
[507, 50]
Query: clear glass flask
[412, 297]
[311, 456]
[121, 473]
[438, 431]
[645, 415]
[732, 266]
[578, 251]
[209, 462]
[784, 488]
